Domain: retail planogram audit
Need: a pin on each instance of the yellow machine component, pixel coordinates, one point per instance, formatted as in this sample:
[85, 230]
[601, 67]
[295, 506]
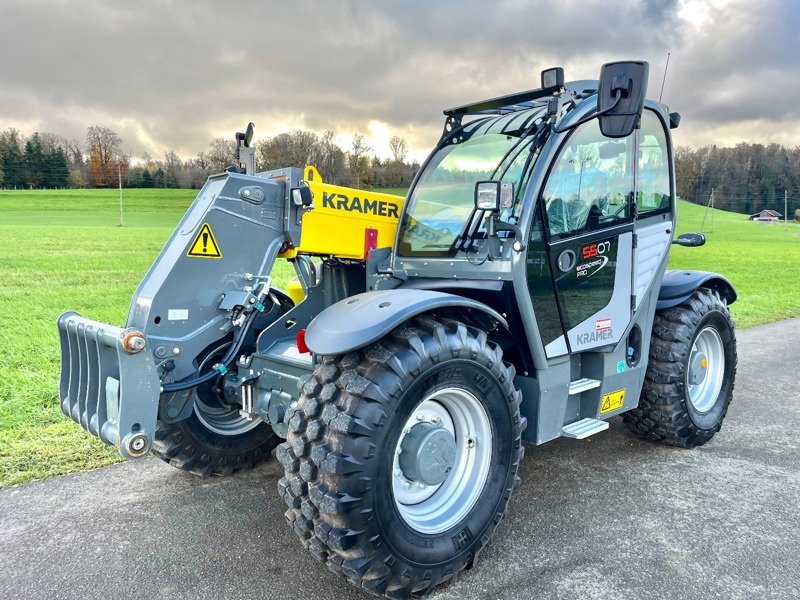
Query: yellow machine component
[346, 222]
[295, 290]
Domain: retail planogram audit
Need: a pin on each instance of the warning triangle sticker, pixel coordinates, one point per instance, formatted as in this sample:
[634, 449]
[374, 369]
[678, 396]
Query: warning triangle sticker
[205, 244]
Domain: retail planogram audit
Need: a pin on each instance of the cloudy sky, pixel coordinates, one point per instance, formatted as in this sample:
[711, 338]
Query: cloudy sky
[172, 74]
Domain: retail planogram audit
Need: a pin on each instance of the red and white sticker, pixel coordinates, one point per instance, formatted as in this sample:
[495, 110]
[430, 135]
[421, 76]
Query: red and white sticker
[602, 324]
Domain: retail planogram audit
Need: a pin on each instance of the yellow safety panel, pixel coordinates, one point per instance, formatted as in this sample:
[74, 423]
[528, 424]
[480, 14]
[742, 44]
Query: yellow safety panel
[613, 401]
[339, 222]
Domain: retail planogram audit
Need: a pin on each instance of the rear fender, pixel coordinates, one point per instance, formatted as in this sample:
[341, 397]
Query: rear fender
[364, 318]
[678, 286]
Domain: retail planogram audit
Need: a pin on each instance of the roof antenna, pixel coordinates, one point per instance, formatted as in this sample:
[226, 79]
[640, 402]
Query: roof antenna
[664, 80]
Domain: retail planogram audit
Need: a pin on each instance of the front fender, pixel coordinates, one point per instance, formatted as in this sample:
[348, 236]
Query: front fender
[364, 318]
[678, 286]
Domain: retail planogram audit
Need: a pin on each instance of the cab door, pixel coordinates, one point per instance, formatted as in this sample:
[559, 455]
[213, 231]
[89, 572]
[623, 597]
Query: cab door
[587, 205]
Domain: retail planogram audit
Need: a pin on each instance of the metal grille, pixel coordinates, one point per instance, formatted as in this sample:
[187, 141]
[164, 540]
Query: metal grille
[110, 392]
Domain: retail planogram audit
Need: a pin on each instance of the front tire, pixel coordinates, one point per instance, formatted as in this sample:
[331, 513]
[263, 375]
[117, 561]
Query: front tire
[690, 376]
[214, 439]
[399, 528]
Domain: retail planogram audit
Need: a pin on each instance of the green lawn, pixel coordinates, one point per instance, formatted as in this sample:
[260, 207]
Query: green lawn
[62, 250]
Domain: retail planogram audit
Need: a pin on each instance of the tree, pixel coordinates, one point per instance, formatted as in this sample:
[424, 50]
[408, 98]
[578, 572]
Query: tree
[293, 149]
[221, 154]
[76, 180]
[57, 168]
[104, 149]
[35, 163]
[358, 161]
[12, 160]
[172, 170]
[797, 214]
[330, 159]
[399, 149]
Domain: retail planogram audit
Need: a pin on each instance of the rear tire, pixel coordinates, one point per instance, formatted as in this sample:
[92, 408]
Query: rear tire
[341, 462]
[690, 376]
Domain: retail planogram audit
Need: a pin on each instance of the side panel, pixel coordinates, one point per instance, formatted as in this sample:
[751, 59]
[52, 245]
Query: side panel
[654, 237]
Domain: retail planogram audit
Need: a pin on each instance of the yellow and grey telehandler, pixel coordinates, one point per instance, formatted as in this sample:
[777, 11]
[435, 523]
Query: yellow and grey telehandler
[519, 293]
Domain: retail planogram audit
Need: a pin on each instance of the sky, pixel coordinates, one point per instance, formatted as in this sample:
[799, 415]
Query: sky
[173, 74]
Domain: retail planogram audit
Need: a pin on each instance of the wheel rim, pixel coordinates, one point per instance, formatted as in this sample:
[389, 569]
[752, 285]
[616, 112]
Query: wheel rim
[706, 370]
[223, 420]
[212, 412]
[435, 508]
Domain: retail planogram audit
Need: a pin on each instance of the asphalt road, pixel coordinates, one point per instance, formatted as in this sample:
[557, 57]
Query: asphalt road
[607, 517]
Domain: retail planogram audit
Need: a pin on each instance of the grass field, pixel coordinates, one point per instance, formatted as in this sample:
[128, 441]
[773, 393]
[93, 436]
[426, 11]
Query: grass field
[62, 250]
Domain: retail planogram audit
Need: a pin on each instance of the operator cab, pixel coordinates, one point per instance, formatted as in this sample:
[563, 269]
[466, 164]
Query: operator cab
[573, 178]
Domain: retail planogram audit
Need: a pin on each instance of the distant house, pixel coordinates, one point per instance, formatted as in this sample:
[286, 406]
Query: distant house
[767, 215]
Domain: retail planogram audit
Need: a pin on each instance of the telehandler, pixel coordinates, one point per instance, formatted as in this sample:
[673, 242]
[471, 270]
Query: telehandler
[519, 293]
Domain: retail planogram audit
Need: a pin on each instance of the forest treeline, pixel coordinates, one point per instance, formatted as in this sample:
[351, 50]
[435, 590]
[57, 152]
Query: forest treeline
[746, 178]
[47, 160]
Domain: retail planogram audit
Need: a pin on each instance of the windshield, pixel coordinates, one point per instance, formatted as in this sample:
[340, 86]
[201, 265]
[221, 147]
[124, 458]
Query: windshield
[442, 200]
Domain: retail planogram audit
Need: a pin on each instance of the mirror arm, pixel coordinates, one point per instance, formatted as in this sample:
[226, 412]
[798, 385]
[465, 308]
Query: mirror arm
[592, 116]
[519, 246]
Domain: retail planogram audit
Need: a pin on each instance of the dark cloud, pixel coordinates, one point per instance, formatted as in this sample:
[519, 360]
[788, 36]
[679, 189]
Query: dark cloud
[174, 74]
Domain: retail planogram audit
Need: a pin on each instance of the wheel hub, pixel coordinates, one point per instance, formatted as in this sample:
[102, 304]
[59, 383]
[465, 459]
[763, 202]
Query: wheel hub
[698, 368]
[427, 454]
[705, 372]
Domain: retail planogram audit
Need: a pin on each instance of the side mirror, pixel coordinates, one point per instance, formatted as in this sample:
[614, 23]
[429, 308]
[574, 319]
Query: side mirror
[494, 195]
[620, 97]
[691, 240]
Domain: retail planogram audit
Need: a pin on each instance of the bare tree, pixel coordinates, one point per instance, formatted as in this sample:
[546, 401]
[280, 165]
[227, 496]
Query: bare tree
[172, 169]
[399, 149]
[330, 159]
[221, 154]
[358, 160]
[74, 150]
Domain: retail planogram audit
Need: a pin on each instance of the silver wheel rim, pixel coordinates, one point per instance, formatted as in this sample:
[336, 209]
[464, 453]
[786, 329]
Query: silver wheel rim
[435, 508]
[221, 418]
[707, 368]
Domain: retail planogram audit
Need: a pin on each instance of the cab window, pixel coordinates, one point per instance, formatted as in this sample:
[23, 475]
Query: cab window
[591, 183]
[654, 193]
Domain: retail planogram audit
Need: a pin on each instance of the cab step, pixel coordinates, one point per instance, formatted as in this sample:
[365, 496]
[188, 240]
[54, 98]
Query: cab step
[584, 428]
[582, 385]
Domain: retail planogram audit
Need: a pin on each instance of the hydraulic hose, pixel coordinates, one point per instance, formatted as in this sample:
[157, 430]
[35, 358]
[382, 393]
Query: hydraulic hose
[221, 367]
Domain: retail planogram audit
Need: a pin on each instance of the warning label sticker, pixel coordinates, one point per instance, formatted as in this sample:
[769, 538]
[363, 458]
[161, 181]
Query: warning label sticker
[612, 401]
[205, 244]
